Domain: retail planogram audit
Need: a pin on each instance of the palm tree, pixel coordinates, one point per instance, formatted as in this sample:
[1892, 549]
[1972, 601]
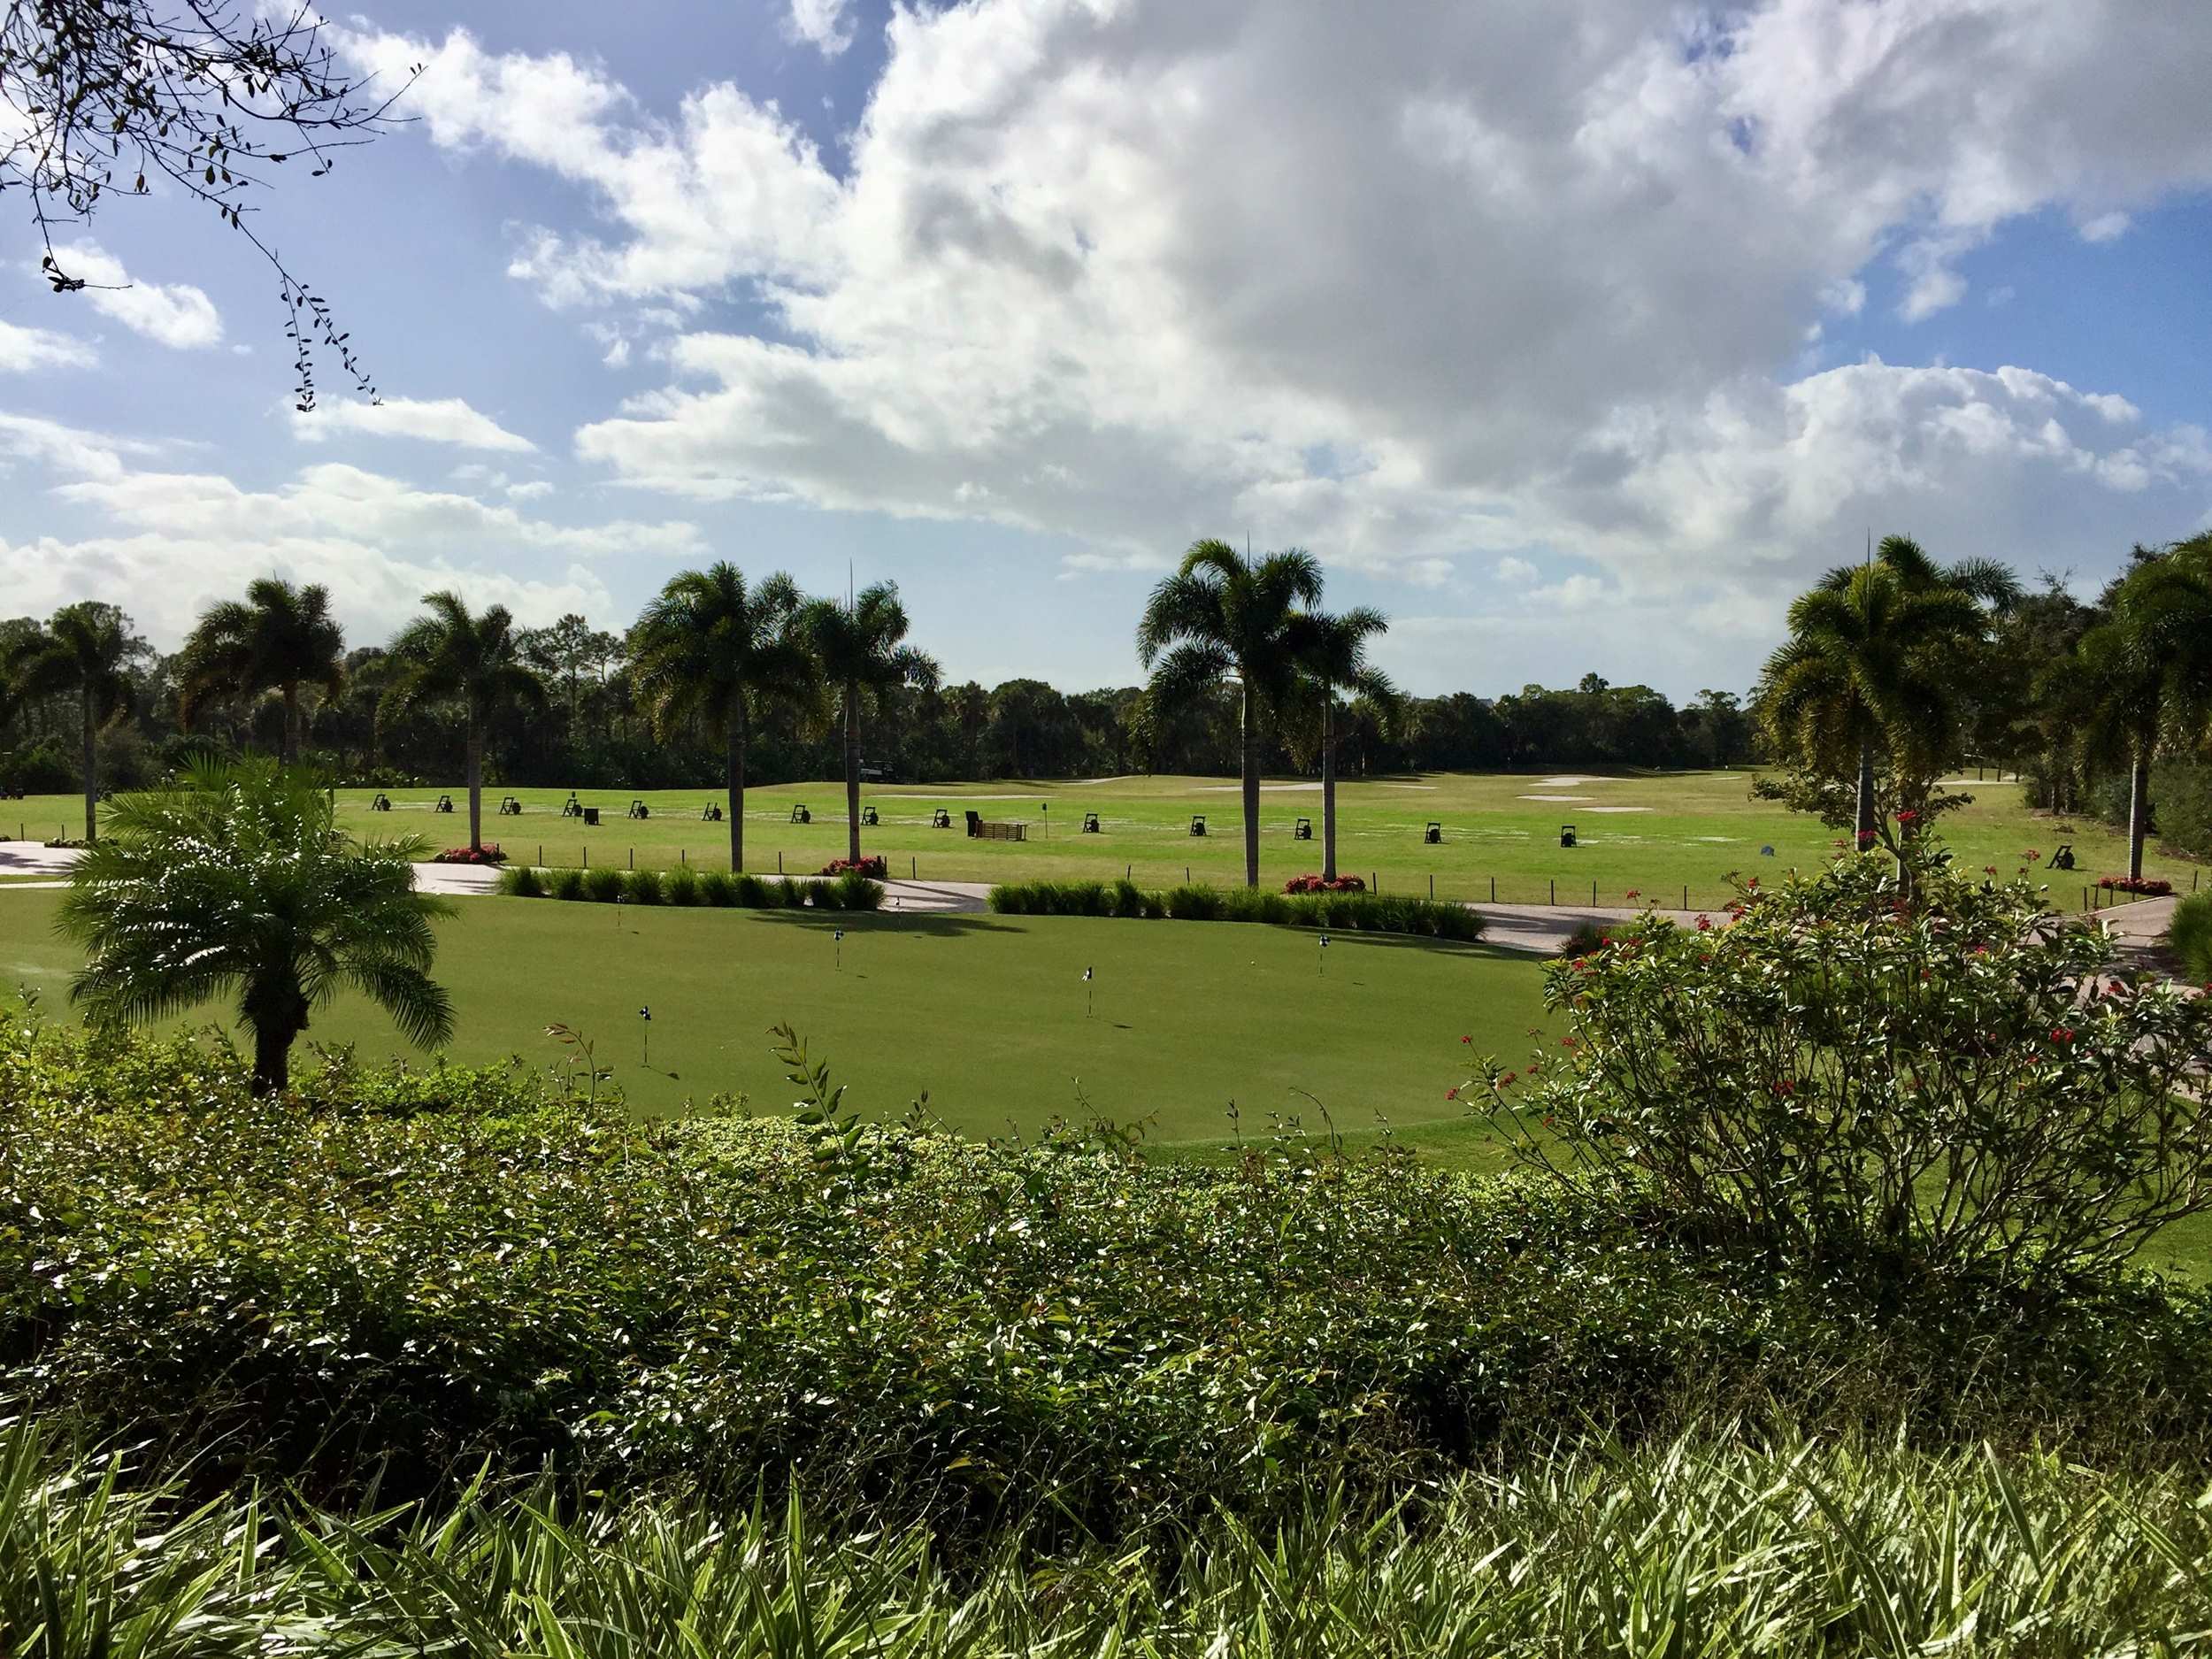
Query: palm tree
[859, 650]
[1333, 658]
[1863, 672]
[1223, 615]
[85, 647]
[708, 647]
[2149, 667]
[471, 661]
[241, 882]
[1988, 582]
[280, 639]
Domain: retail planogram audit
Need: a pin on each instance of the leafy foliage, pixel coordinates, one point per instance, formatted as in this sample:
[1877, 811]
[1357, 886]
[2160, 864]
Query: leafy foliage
[1350, 910]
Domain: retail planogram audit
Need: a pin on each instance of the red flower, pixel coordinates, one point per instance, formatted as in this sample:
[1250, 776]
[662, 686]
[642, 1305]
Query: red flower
[1866, 838]
[2061, 1034]
[1786, 1087]
[1704, 924]
[1989, 869]
[1908, 816]
[1569, 1042]
[1635, 893]
[1451, 1094]
[1466, 1039]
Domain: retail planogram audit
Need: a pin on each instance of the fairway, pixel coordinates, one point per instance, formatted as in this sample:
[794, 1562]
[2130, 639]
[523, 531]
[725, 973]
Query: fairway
[986, 1012]
[1674, 837]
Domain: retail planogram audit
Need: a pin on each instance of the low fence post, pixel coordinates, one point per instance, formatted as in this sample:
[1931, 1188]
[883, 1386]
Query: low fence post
[1494, 889]
[633, 858]
[1555, 889]
[586, 855]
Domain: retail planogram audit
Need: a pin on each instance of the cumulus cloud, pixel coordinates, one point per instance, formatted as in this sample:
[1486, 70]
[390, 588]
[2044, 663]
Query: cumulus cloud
[178, 315]
[24, 350]
[826, 24]
[1407, 286]
[430, 420]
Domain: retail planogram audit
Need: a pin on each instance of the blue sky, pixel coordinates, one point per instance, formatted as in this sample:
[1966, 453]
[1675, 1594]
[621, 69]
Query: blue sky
[1570, 349]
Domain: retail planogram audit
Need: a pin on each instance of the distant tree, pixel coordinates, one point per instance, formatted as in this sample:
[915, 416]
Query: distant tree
[208, 96]
[860, 652]
[242, 880]
[1331, 652]
[469, 662]
[710, 648]
[2147, 670]
[281, 638]
[1223, 616]
[1864, 674]
[87, 649]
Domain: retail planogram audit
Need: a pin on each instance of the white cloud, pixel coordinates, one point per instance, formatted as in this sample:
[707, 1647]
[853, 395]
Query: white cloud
[1516, 570]
[826, 24]
[24, 350]
[1410, 285]
[70, 450]
[432, 420]
[2105, 227]
[531, 489]
[178, 315]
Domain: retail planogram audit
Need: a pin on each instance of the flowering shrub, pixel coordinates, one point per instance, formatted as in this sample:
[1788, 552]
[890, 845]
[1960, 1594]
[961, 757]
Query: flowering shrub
[2149, 886]
[1934, 1077]
[874, 867]
[1324, 884]
[488, 854]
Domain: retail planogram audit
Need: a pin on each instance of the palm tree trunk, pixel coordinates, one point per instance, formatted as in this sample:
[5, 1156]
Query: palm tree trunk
[1251, 791]
[1328, 784]
[2138, 806]
[272, 1059]
[733, 765]
[291, 753]
[852, 772]
[91, 774]
[475, 742]
[1867, 827]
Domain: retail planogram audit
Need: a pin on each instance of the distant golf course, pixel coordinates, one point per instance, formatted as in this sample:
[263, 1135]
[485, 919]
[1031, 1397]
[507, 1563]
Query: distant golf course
[1673, 837]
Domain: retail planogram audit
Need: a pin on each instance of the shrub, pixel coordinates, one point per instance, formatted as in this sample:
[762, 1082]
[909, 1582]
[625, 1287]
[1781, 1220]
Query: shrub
[874, 866]
[1127, 899]
[854, 892]
[521, 881]
[1938, 1078]
[718, 888]
[680, 886]
[826, 894]
[2148, 886]
[755, 893]
[42, 768]
[603, 886]
[642, 887]
[1352, 908]
[2189, 936]
[569, 883]
[1588, 939]
[1324, 884]
[790, 893]
[488, 854]
[1196, 903]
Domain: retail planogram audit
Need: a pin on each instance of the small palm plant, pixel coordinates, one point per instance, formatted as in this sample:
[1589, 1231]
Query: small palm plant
[240, 881]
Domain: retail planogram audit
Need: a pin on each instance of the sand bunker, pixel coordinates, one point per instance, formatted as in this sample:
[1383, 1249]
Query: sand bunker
[1570, 799]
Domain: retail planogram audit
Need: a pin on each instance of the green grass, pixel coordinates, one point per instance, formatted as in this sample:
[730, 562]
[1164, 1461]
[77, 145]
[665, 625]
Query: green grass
[1688, 830]
[986, 1012]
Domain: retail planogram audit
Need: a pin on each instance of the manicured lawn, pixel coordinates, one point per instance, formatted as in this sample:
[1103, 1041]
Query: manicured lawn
[985, 1012]
[1660, 833]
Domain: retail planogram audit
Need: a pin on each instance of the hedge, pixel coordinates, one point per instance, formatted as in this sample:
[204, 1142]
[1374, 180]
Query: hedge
[1346, 912]
[684, 886]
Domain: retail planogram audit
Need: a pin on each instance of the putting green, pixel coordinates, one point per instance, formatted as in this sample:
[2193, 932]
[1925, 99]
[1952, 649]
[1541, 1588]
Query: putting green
[986, 1012]
[1674, 836]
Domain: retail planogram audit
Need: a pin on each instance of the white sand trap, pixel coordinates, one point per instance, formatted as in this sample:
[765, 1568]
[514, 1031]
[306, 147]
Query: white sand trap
[1266, 788]
[1568, 783]
[1093, 783]
[1570, 799]
[1620, 809]
[1401, 786]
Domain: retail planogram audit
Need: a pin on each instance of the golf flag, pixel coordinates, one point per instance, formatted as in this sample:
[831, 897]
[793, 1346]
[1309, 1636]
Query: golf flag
[1087, 993]
[1087, 976]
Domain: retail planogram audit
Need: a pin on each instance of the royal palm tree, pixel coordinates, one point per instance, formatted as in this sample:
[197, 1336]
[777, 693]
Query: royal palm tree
[860, 652]
[87, 649]
[1863, 672]
[1988, 582]
[1333, 658]
[281, 638]
[1225, 616]
[241, 882]
[710, 648]
[472, 662]
[2148, 669]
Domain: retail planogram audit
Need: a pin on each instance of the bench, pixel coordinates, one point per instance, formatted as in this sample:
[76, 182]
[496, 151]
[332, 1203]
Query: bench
[980, 830]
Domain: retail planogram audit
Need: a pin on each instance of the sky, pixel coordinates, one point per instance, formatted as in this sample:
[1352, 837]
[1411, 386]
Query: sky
[1574, 339]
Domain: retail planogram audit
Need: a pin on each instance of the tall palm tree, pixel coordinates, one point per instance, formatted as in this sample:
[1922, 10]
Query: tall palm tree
[860, 652]
[1333, 658]
[472, 662]
[241, 881]
[1863, 673]
[709, 647]
[1222, 616]
[1988, 582]
[281, 638]
[2148, 668]
[85, 648]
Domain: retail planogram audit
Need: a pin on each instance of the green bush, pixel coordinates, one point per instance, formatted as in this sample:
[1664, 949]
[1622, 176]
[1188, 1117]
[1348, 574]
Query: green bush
[718, 887]
[1347, 911]
[854, 892]
[2190, 936]
[642, 887]
[790, 894]
[756, 895]
[568, 884]
[680, 886]
[522, 881]
[1199, 903]
[603, 886]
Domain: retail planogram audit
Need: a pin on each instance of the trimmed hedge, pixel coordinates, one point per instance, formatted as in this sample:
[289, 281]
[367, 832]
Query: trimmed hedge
[1346, 912]
[684, 886]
